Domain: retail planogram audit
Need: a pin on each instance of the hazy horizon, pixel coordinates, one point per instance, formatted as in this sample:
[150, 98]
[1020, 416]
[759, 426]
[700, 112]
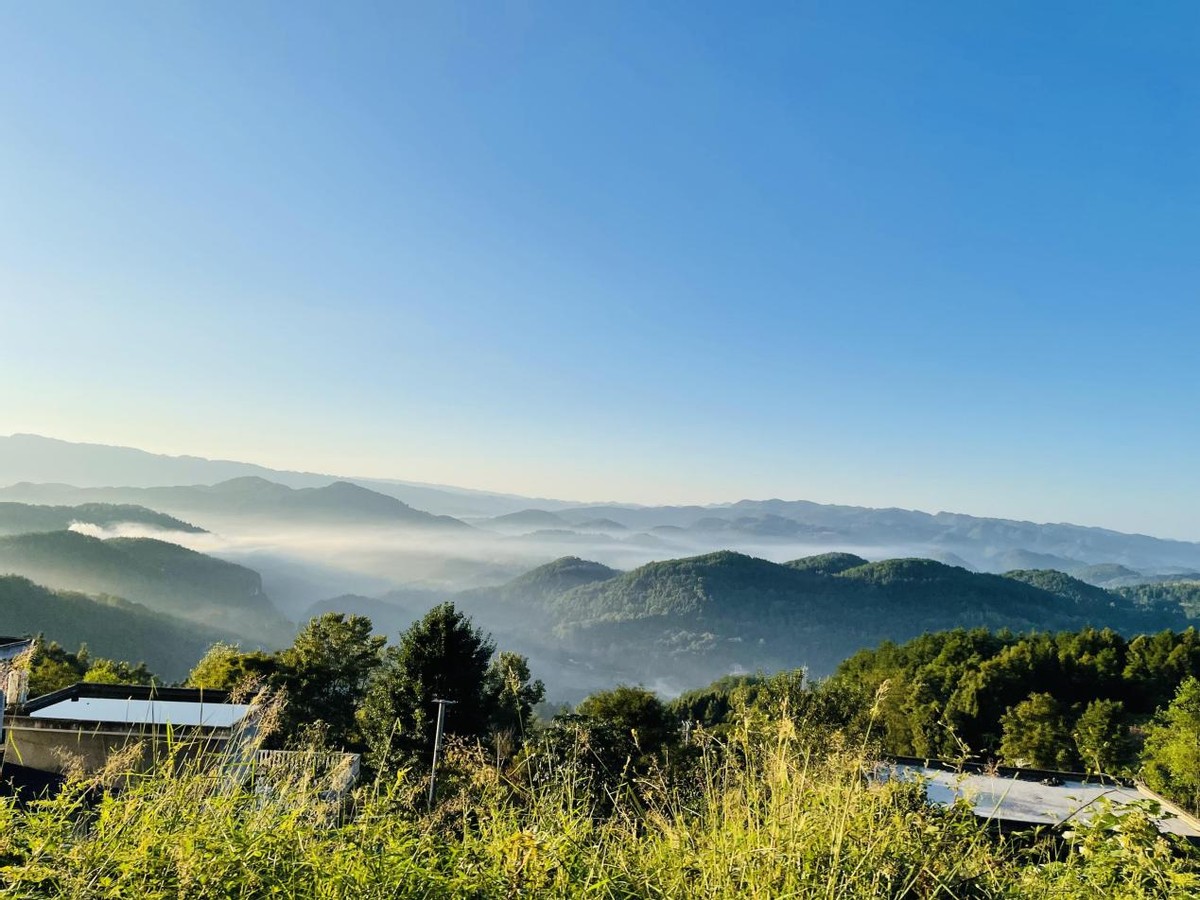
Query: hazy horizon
[552, 502]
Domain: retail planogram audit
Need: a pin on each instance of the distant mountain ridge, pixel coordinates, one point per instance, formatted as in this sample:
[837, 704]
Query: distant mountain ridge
[629, 531]
[248, 498]
[40, 460]
[20, 518]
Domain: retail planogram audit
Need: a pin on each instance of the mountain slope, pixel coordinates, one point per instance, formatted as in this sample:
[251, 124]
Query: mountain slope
[159, 575]
[827, 563]
[1065, 586]
[987, 544]
[37, 459]
[541, 586]
[20, 518]
[527, 520]
[1165, 594]
[250, 498]
[687, 619]
[110, 626]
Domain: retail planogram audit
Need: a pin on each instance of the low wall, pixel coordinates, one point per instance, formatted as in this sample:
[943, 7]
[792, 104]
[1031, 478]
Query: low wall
[61, 746]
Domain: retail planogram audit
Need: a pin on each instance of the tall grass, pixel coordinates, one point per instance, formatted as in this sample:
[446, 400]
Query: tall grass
[766, 813]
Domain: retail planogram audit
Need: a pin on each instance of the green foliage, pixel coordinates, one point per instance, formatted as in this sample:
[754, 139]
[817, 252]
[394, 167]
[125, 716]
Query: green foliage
[112, 627]
[697, 618]
[52, 668]
[770, 813]
[1172, 755]
[610, 743]
[341, 689]
[513, 693]
[1102, 737]
[635, 713]
[949, 691]
[444, 657]
[714, 706]
[1078, 592]
[225, 667]
[159, 575]
[107, 671]
[1184, 595]
[538, 588]
[827, 563]
[1035, 734]
[324, 675]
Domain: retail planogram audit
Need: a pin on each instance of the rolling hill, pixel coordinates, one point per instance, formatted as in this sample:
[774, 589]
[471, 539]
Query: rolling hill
[109, 626]
[250, 499]
[540, 588]
[159, 575]
[37, 459]
[526, 520]
[686, 620]
[21, 518]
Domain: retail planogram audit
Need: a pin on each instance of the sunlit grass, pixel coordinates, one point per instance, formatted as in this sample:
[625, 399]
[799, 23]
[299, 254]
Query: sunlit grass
[767, 813]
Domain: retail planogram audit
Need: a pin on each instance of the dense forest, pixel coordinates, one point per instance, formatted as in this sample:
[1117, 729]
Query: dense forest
[111, 626]
[160, 575]
[1089, 701]
[691, 620]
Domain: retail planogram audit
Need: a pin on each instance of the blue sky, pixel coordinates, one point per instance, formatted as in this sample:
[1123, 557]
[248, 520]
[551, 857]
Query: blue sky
[940, 256]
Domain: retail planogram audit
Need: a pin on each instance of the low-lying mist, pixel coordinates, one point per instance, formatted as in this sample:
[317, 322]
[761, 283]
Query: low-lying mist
[304, 564]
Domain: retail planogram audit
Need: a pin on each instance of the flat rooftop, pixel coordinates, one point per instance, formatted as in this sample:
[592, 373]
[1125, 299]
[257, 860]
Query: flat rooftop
[1030, 800]
[11, 647]
[138, 705]
[145, 712]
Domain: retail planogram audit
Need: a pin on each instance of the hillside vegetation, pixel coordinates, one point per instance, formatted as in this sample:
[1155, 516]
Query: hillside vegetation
[783, 805]
[692, 620]
[159, 575]
[1080, 700]
[250, 499]
[111, 627]
[20, 518]
[1165, 594]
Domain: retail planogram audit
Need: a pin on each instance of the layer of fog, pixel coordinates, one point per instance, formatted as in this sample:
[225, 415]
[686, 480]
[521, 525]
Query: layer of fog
[410, 570]
[304, 564]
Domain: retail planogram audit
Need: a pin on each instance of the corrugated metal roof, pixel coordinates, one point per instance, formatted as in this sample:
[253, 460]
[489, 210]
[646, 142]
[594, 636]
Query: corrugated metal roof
[11, 648]
[1056, 801]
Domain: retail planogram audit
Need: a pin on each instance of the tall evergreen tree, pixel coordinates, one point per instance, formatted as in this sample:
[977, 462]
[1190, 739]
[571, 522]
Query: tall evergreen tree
[444, 657]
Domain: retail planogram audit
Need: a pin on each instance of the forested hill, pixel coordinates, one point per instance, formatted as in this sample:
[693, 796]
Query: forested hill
[250, 499]
[21, 518]
[110, 627]
[542, 587]
[689, 620]
[827, 563]
[908, 592]
[159, 575]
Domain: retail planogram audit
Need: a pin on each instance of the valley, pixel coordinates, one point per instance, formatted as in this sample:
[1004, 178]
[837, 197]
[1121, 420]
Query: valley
[670, 597]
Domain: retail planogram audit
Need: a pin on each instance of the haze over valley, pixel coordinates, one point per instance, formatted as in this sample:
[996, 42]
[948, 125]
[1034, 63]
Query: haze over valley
[594, 594]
